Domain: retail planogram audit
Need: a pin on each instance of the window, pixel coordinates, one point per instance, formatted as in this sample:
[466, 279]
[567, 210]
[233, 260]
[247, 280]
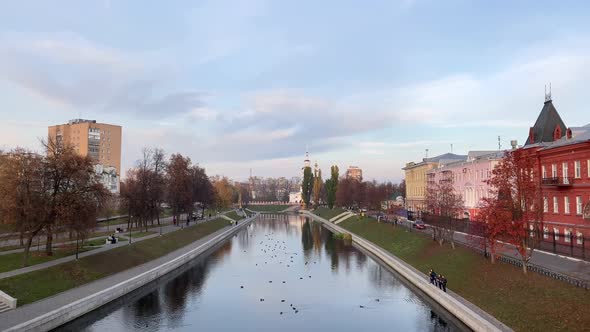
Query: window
[544, 170]
[545, 205]
[578, 204]
[578, 168]
[554, 170]
[556, 233]
[564, 172]
[566, 204]
[545, 232]
[579, 238]
[555, 205]
[567, 235]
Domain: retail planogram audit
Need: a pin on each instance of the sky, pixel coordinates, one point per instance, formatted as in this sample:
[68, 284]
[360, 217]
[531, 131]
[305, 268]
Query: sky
[249, 85]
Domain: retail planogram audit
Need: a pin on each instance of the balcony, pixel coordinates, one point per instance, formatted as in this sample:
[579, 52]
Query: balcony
[558, 181]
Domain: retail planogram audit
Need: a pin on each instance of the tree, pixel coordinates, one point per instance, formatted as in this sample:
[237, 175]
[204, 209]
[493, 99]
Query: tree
[332, 186]
[490, 224]
[317, 187]
[203, 191]
[224, 192]
[21, 189]
[180, 189]
[515, 189]
[307, 186]
[344, 197]
[443, 201]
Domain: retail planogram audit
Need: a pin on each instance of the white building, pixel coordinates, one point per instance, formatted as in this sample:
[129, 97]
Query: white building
[108, 177]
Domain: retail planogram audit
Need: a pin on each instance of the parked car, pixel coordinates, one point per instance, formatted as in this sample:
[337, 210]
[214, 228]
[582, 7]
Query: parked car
[419, 224]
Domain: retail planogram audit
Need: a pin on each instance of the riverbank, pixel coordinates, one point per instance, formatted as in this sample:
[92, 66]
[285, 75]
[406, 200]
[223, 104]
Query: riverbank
[67, 305]
[524, 302]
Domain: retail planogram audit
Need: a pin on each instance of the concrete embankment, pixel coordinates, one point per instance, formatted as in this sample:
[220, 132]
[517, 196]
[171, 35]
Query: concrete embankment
[70, 311]
[472, 316]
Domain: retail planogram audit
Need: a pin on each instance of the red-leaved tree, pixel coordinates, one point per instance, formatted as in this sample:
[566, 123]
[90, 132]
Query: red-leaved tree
[516, 196]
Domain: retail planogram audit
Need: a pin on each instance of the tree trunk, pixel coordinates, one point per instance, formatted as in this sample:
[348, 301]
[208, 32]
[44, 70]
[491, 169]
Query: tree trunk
[28, 249]
[493, 257]
[49, 242]
[524, 269]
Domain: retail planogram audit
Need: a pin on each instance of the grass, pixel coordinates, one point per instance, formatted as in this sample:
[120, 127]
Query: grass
[268, 208]
[142, 234]
[8, 248]
[14, 261]
[234, 215]
[36, 285]
[529, 302]
[327, 213]
[101, 241]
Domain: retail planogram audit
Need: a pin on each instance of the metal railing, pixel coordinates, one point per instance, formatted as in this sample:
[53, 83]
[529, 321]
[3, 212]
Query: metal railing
[558, 181]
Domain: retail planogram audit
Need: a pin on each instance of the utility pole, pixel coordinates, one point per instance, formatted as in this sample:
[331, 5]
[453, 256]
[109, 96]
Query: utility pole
[499, 144]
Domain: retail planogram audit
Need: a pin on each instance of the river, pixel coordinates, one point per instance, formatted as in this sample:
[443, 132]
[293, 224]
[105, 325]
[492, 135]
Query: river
[281, 273]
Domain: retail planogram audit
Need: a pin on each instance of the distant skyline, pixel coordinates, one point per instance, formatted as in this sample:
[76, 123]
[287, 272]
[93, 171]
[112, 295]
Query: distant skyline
[240, 85]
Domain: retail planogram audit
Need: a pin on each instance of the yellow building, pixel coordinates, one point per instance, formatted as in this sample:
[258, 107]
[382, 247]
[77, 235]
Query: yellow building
[102, 142]
[416, 179]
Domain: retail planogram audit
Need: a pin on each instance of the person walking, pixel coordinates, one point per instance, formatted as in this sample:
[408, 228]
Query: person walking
[443, 281]
[439, 281]
[432, 276]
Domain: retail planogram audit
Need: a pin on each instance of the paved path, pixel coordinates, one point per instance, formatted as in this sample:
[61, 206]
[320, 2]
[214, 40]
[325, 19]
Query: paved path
[573, 267]
[26, 312]
[165, 229]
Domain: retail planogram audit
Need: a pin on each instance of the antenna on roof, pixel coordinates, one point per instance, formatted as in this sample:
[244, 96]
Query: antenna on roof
[451, 147]
[426, 153]
[499, 144]
[548, 95]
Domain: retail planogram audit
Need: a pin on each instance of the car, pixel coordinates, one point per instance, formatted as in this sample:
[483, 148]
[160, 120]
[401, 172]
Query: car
[419, 224]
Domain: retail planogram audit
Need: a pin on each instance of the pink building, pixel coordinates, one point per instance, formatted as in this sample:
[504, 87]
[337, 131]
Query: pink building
[468, 177]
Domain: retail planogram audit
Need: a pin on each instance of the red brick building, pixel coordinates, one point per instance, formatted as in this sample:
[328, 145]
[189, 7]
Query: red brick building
[563, 161]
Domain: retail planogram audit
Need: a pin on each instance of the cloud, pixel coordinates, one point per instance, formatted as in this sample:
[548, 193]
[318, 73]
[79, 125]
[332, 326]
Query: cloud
[71, 71]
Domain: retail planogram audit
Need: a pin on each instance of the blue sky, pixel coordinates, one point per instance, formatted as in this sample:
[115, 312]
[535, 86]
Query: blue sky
[249, 84]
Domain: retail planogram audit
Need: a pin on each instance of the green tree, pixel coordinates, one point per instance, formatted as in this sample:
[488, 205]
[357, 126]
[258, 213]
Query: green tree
[332, 186]
[317, 187]
[307, 185]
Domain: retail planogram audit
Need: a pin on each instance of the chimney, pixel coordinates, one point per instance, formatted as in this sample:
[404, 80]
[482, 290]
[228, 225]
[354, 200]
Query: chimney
[514, 144]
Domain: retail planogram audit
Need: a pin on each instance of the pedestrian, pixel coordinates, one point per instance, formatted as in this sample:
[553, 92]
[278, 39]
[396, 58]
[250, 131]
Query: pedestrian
[443, 280]
[439, 281]
[432, 276]
[174, 220]
[188, 219]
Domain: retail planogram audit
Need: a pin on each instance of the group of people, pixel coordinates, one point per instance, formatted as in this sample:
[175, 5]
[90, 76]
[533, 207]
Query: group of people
[112, 239]
[438, 280]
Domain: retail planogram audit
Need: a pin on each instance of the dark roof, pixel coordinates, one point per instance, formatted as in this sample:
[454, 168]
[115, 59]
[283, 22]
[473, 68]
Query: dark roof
[545, 125]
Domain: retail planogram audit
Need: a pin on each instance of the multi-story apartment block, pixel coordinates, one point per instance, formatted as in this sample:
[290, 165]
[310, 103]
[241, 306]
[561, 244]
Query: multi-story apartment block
[102, 142]
[354, 172]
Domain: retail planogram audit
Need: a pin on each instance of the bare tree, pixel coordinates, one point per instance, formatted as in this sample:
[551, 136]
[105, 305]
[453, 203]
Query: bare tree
[443, 201]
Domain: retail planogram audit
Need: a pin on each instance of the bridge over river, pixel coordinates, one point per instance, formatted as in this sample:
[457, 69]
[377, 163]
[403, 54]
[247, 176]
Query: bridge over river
[280, 273]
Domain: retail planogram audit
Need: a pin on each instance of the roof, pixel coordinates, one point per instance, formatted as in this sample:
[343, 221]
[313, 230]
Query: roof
[579, 134]
[441, 160]
[545, 125]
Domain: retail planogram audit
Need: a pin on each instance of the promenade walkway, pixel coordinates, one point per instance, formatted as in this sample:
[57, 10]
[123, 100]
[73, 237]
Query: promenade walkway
[165, 229]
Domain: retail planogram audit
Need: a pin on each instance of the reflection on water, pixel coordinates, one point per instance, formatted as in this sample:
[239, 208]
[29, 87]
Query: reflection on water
[280, 273]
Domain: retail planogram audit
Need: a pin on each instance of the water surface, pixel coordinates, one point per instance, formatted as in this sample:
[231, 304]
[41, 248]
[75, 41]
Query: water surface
[281, 273]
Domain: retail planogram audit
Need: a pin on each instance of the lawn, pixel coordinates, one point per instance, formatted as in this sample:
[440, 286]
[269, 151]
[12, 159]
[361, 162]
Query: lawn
[268, 208]
[327, 213]
[14, 261]
[142, 234]
[234, 215]
[36, 285]
[524, 302]
[101, 241]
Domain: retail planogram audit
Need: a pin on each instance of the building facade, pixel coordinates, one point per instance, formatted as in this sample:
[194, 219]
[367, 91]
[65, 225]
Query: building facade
[354, 172]
[469, 178]
[101, 142]
[563, 169]
[417, 179]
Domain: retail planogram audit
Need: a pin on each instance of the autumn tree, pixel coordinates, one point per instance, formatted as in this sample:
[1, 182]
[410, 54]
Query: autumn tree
[317, 187]
[179, 185]
[202, 189]
[332, 186]
[444, 202]
[21, 189]
[224, 192]
[515, 190]
[490, 224]
[307, 186]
